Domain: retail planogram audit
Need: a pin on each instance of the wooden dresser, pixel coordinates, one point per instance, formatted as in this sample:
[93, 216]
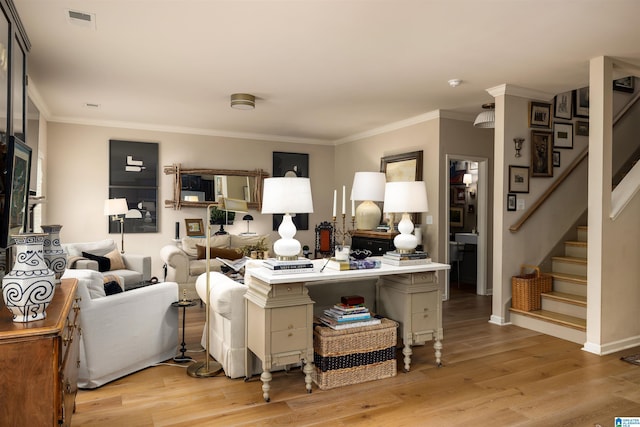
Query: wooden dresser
[39, 363]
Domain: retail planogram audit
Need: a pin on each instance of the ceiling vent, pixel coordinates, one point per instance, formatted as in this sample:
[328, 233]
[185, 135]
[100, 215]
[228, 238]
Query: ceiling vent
[82, 19]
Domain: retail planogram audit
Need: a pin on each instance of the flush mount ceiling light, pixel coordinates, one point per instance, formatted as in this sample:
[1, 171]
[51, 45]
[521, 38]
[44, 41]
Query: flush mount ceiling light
[454, 82]
[487, 118]
[243, 101]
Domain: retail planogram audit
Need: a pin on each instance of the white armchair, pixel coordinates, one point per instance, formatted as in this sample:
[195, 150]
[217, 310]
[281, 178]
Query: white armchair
[125, 332]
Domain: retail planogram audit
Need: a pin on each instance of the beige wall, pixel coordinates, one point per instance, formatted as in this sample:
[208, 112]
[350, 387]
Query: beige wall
[78, 179]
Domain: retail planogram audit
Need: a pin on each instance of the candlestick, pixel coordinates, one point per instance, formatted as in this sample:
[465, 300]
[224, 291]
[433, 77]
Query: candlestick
[353, 208]
[343, 199]
[334, 202]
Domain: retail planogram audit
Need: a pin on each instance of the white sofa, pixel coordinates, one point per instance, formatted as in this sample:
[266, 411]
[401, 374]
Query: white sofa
[182, 263]
[137, 268]
[124, 332]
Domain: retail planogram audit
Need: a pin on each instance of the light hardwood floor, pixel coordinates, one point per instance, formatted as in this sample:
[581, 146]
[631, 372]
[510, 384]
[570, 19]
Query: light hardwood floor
[492, 376]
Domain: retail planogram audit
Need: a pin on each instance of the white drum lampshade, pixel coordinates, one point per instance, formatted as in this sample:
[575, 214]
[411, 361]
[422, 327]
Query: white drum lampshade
[287, 196]
[405, 197]
[369, 188]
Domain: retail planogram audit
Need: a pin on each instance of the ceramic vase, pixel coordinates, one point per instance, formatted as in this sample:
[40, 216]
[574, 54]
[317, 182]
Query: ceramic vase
[55, 255]
[29, 287]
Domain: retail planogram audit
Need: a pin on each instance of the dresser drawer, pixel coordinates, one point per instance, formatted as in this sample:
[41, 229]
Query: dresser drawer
[288, 318]
[292, 339]
[376, 246]
[286, 289]
[424, 302]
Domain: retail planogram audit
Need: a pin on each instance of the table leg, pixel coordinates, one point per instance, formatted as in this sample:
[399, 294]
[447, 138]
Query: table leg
[438, 346]
[265, 377]
[308, 370]
[407, 355]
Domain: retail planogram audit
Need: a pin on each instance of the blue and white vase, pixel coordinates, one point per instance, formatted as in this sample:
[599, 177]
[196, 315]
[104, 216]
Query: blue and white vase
[29, 287]
[55, 256]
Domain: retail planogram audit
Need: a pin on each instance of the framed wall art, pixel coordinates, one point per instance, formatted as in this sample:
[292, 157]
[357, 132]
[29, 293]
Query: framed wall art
[625, 84]
[404, 167]
[541, 154]
[581, 102]
[291, 165]
[539, 115]
[195, 227]
[563, 105]
[16, 194]
[556, 159]
[511, 202]
[456, 217]
[563, 135]
[518, 179]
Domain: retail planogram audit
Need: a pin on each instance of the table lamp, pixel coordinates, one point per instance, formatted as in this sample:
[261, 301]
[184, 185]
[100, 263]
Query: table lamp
[405, 197]
[369, 188]
[117, 208]
[285, 195]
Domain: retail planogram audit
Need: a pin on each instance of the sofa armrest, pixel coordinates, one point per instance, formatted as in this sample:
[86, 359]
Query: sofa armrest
[177, 262]
[139, 263]
[226, 295]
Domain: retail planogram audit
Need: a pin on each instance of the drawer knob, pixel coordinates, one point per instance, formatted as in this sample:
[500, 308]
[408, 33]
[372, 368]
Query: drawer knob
[288, 288]
[290, 334]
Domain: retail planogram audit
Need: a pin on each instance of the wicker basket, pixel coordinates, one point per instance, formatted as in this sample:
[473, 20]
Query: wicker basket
[355, 355]
[526, 288]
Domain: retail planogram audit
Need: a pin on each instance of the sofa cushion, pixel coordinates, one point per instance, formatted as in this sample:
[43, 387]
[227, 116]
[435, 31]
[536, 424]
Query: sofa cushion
[101, 247]
[117, 263]
[216, 241]
[104, 263]
[112, 287]
[240, 241]
[226, 253]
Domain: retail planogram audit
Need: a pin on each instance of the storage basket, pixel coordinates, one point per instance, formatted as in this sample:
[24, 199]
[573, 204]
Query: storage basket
[354, 355]
[526, 288]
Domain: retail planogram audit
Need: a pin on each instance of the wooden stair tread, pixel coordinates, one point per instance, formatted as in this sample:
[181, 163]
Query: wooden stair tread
[575, 278]
[565, 297]
[578, 243]
[570, 259]
[556, 318]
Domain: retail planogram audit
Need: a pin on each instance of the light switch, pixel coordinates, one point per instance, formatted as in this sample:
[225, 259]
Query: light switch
[429, 219]
[520, 204]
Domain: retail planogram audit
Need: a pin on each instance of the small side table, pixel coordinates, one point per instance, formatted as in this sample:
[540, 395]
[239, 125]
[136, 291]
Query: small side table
[184, 303]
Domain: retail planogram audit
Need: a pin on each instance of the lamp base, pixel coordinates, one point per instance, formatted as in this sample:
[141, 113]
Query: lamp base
[405, 242]
[368, 215]
[199, 370]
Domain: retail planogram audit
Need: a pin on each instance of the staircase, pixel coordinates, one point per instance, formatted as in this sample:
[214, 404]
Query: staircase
[564, 309]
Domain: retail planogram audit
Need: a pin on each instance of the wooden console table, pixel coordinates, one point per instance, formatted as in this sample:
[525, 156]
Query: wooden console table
[39, 363]
[279, 326]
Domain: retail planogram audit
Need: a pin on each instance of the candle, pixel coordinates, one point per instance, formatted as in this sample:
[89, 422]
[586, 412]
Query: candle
[353, 208]
[334, 202]
[343, 199]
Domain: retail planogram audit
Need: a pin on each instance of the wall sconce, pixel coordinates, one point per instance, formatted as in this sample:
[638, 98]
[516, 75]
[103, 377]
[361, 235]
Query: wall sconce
[518, 144]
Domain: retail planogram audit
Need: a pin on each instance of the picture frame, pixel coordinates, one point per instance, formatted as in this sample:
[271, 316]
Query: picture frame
[403, 167]
[541, 154]
[456, 217]
[563, 105]
[582, 128]
[511, 202]
[194, 227]
[556, 159]
[539, 115]
[625, 84]
[518, 179]
[460, 196]
[17, 192]
[581, 102]
[563, 135]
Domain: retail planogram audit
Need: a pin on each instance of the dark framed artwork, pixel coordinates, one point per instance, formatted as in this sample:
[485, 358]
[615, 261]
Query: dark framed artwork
[539, 115]
[582, 128]
[406, 167]
[291, 165]
[563, 135]
[143, 213]
[541, 154]
[16, 195]
[518, 179]
[581, 102]
[556, 159]
[456, 217]
[511, 202]
[625, 84]
[460, 196]
[563, 105]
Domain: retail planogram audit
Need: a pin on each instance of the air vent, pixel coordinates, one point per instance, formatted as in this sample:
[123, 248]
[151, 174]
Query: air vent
[91, 105]
[83, 19]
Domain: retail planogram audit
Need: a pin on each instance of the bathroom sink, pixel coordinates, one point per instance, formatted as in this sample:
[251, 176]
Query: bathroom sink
[467, 238]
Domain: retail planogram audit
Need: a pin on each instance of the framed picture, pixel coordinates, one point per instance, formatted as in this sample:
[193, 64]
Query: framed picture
[143, 213]
[541, 154]
[16, 197]
[563, 105]
[403, 167]
[556, 159]
[624, 84]
[511, 202]
[460, 194]
[456, 217]
[195, 227]
[582, 128]
[581, 102]
[518, 179]
[563, 135]
[539, 115]
[291, 165]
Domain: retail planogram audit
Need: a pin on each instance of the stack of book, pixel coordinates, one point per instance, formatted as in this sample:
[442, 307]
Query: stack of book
[300, 265]
[397, 258]
[354, 264]
[348, 314]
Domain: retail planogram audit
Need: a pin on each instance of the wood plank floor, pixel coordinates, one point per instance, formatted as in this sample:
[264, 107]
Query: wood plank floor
[492, 376]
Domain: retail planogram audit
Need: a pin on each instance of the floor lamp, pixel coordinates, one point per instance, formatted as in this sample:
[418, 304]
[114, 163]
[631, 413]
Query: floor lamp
[207, 368]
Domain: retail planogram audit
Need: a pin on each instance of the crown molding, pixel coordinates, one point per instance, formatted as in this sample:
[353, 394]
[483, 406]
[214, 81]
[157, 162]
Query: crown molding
[390, 127]
[521, 92]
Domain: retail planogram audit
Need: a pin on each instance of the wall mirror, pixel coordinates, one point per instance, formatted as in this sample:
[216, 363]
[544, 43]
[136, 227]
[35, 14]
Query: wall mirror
[197, 187]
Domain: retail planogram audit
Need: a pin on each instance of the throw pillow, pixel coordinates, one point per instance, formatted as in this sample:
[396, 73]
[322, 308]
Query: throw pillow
[225, 253]
[104, 264]
[117, 263]
[111, 288]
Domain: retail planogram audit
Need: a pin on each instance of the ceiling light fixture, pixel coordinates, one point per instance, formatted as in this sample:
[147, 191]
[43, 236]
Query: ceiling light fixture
[243, 101]
[487, 118]
[454, 82]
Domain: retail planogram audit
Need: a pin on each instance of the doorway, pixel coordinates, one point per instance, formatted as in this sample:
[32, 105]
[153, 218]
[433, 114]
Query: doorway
[466, 219]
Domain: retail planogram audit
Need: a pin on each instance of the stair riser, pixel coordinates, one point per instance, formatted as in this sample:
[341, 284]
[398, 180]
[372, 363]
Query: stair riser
[582, 235]
[560, 266]
[559, 331]
[575, 251]
[564, 308]
[569, 287]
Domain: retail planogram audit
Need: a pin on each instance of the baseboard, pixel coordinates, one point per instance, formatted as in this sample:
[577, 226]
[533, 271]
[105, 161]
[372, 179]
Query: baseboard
[612, 347]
